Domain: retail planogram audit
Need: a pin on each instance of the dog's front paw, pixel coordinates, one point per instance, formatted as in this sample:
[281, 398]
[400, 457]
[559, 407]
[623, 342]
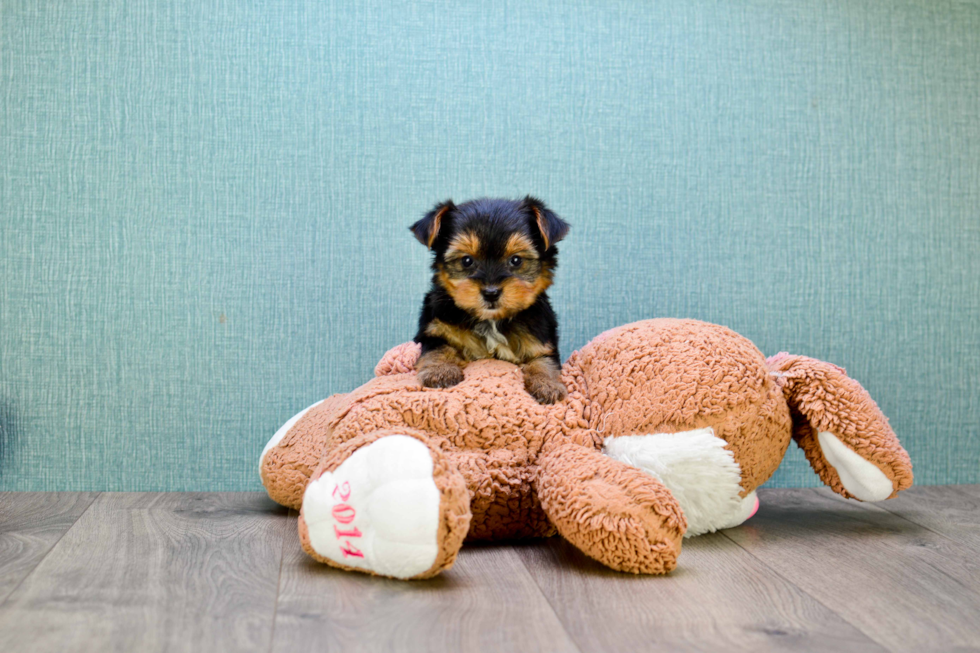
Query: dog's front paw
[546, 389]
[445, 375]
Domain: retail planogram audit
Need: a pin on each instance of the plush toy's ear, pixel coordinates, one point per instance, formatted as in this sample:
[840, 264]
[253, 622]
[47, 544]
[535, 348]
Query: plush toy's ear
[552, 227]
[840, 428]
[427, 229]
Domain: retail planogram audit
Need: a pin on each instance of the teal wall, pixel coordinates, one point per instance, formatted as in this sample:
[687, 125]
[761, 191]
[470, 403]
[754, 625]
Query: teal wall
[204, 205]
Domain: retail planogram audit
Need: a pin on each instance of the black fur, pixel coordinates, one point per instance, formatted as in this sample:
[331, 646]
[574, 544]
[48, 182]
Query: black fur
[493, 222]
[539, 320]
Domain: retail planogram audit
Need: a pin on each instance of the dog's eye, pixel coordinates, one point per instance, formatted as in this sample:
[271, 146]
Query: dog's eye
[467, 261]
[515, 261]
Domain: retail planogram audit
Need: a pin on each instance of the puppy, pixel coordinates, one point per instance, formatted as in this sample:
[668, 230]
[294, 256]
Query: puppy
[494, 259]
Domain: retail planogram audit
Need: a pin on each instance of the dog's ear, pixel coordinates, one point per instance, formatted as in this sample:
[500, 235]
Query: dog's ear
[552, 227]
[427, 229]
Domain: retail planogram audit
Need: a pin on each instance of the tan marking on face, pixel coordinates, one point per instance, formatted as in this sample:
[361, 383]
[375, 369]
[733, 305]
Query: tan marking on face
[519, 243]
[518, 294]
[464, 244]
[465, 292]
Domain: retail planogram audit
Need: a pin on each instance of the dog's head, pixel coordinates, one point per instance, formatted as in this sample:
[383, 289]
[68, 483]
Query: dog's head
[493, 256]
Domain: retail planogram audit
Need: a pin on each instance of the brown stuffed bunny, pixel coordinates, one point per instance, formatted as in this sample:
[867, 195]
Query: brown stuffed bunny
[668, 428]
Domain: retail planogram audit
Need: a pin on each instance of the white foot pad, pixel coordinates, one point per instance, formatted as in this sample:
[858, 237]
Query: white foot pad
[858, 476]
[379, 510]
[697, 469]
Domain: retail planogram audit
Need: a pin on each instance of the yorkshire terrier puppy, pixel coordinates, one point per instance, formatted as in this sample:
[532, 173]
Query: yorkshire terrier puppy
[494, 259]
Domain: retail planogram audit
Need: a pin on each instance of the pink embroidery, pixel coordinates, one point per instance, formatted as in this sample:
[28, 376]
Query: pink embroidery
[345, 514]
[351, 533]
[344, 491]
[350, 551]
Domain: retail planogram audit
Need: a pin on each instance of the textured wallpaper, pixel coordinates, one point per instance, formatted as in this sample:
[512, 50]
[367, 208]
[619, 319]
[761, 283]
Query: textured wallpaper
[204, 205]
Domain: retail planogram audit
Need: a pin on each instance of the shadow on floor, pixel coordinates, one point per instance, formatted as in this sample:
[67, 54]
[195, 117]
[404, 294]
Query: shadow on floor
[788, 523]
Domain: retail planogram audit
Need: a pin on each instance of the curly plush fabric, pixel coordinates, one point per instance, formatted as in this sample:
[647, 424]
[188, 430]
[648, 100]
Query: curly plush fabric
[824, 399]
[505, 466]
[667, 376]
[399, 360]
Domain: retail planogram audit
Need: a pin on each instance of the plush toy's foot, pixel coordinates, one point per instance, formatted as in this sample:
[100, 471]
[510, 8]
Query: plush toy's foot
[612, 512]
[861, 478]
[698, 470]
[394, 507]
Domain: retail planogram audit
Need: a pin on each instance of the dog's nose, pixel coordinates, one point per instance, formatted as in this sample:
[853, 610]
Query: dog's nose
[491, 293]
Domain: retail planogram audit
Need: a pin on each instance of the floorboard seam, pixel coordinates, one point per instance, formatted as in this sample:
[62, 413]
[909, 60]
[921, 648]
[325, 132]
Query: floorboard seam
[953, 540]
[551, 606]
[282, 557]
[818, 601]
[46, 553]
[872, 506]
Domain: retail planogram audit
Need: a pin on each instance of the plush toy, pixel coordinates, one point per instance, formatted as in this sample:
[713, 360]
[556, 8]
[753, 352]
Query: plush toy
[668, 429]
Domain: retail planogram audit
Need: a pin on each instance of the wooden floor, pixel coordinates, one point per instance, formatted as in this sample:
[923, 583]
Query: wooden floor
[225, 572]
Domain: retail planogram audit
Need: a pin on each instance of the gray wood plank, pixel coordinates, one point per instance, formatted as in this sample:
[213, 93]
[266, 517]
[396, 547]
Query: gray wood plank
[486, 602]
[719, 598]
[951, 510]
[31, 523]
[154, 572]
[908, 588]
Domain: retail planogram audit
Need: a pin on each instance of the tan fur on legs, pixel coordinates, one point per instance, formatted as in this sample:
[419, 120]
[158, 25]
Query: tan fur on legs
[542, 378]
[441, 368]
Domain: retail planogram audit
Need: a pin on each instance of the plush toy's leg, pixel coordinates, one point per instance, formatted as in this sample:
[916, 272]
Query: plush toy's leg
[387, 503]
[844, 435]
[612, 512]
[699, 471]
[295, 450]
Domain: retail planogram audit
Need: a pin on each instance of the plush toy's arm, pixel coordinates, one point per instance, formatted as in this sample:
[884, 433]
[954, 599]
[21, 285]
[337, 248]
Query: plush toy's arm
[841, 430]
[399, 359]
[614, 513]
[295, 450]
